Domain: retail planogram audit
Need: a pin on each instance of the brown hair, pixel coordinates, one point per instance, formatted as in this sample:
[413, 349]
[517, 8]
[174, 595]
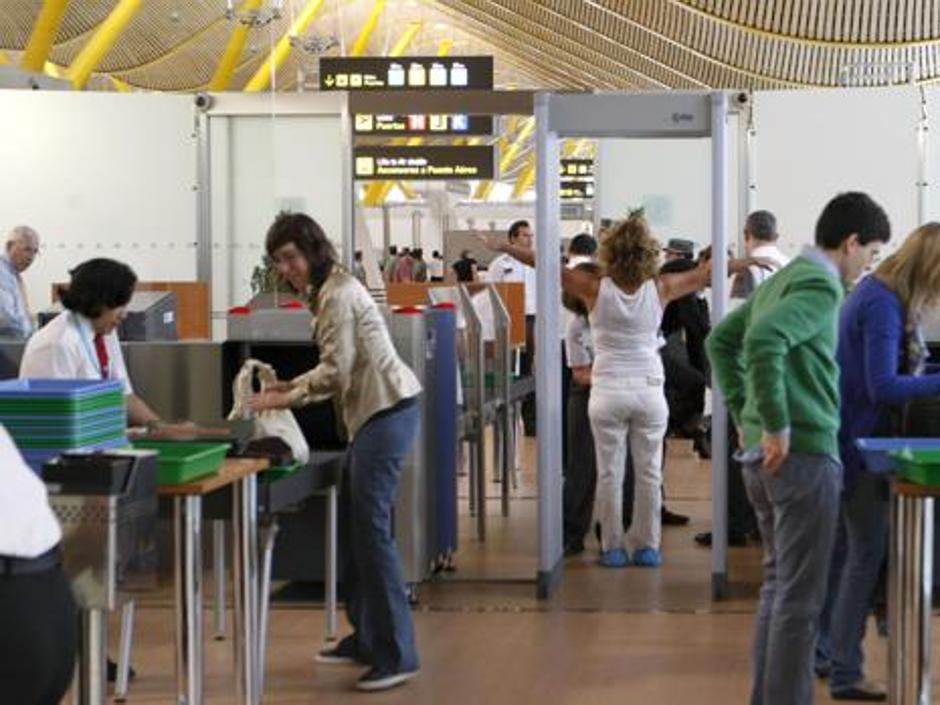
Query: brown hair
[307, 235]
[913, 271]
[629, 255]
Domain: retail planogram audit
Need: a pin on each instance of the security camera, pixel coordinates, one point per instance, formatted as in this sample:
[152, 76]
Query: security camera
[742, 98]
[203, 101]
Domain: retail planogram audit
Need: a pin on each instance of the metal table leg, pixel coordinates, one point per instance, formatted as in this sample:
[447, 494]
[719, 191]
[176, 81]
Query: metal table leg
[124, 653]
[92, 686]
[218, 577]
[245, 581]
[187, 517]
[909, 600]
[269, 536]
[331, 562]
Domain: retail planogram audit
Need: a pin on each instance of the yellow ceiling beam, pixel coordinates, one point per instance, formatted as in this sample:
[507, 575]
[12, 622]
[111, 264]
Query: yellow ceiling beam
[43, 35]
[526, 178]
[4, 59]
[101, 42]
[361, 44]
[120, 85]
[228, 64]
[445, 46]
[262, 78]
[378, 191]
[485, 188]
[401, 46]
[408, 191]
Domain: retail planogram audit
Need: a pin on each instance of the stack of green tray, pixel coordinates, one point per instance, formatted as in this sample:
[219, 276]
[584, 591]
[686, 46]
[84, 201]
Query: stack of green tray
[47, 417]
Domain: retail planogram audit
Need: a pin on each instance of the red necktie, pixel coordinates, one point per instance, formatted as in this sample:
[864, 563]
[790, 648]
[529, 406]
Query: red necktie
[102, 355]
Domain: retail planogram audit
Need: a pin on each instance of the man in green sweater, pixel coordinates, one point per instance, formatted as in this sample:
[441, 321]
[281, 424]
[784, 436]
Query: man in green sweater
[775, 362]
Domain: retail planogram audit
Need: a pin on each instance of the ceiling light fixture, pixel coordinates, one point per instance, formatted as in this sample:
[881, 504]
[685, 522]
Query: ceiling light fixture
[255, 18]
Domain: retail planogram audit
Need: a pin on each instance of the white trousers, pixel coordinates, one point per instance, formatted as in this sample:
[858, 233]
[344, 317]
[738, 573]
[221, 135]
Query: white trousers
[634, 410]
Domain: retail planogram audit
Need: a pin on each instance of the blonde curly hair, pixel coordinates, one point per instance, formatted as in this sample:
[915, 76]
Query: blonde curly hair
[629, 255]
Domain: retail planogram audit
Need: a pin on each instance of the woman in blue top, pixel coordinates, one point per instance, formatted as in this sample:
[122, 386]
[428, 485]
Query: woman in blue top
[882, 357]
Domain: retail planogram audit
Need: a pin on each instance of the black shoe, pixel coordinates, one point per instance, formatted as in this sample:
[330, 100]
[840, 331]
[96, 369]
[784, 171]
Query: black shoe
[574, 548]
[863, 690]
[703, 446]
[345, 653]
[672, 519]
[383, 679]
[736, 540]
[113, 669]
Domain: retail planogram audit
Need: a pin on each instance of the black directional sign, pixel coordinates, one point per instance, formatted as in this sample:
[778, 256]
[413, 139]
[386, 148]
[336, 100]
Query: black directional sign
[424, 163]
[364, 124]
[409, 73]
[577, 179]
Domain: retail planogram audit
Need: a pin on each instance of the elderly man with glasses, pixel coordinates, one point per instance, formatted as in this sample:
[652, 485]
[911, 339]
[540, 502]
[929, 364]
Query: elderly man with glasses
[21, 249]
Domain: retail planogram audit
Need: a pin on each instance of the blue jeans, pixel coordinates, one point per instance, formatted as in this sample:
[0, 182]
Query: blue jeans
[796, 511]
[865, 512]
[377, 597]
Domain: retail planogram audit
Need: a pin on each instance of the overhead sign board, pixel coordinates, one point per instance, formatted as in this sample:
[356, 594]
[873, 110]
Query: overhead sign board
[414, 73]
[424, 163]
[423, 124]
[577, 179]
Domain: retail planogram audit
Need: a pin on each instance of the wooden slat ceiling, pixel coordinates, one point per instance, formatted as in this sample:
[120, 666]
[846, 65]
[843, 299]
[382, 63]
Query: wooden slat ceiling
[174, 45]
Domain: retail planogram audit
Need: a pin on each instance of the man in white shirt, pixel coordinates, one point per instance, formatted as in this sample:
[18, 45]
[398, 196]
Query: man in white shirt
[505, 269]
[38, 616]
[760, 240]
[21, 249]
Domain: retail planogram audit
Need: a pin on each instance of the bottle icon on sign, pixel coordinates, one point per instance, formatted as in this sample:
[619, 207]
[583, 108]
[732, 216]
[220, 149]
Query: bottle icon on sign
[438, 74]
[458, 75]
[396, 75]
[417, 75]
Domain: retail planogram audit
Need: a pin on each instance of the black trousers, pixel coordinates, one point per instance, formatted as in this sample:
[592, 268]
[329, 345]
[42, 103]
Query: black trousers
[741, 519]
[581, 471]
[526, 367]
[38, 637]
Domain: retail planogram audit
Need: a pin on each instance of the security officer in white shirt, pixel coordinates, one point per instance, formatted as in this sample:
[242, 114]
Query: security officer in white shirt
[505, 269]
[82, 342]
[38, 615]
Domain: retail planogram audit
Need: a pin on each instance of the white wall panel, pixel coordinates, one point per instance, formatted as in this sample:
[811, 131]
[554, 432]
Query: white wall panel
[100, 175]
[812, 145]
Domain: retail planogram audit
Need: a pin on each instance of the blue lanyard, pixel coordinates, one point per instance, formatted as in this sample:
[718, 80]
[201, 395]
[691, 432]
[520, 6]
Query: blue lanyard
[89, 347]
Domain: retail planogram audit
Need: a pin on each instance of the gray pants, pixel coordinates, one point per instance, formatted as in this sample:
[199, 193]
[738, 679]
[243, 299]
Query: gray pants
[796, 510]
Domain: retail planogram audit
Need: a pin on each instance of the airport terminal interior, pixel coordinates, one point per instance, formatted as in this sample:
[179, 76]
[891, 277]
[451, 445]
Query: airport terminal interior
[469, 351]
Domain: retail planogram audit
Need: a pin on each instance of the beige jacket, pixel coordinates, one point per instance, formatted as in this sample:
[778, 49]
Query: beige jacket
[358, 362]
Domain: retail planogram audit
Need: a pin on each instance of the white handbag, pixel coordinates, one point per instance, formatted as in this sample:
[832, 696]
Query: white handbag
[279, 423]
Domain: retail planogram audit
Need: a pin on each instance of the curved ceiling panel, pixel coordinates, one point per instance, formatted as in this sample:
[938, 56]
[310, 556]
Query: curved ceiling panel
[175, 45]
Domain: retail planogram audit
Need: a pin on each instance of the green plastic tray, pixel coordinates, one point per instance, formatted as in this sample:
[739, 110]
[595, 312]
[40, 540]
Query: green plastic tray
[919, 466]
[278, 472]
[180, 462]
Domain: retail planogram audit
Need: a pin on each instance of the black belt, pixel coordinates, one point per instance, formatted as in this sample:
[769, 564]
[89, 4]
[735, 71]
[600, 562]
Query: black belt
[12, 565]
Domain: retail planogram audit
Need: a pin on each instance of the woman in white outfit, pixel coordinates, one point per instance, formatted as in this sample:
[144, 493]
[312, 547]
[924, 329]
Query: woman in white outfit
[625, 302]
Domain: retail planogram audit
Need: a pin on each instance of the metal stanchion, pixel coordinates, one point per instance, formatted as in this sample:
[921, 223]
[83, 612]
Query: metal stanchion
[93, 681]
[218, 577]
[187, 513]
[909, 599]
[124, 653]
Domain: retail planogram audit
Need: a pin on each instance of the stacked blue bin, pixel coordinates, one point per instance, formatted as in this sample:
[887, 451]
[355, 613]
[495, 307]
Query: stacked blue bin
[48, 417]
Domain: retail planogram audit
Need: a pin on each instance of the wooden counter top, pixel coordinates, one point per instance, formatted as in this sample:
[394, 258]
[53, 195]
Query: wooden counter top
[232, 470]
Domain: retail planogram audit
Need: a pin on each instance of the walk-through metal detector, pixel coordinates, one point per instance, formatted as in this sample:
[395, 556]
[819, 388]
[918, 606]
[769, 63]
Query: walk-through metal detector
[620, 115]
